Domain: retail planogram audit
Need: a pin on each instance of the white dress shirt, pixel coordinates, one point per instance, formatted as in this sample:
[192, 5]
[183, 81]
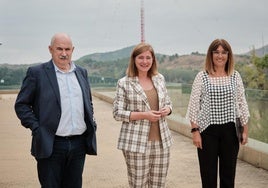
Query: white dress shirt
[72, 107]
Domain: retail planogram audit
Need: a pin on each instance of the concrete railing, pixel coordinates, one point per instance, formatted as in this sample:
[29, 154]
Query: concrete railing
[180, 125]
[246, 153]
[9, 91]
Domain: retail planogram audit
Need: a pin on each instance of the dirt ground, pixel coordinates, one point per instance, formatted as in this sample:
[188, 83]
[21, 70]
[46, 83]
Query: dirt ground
[108, 169]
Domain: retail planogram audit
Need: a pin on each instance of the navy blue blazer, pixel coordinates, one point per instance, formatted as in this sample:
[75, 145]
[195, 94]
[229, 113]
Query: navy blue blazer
[38, 107]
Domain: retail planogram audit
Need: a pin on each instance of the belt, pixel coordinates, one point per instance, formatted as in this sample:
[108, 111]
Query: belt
[71, 137]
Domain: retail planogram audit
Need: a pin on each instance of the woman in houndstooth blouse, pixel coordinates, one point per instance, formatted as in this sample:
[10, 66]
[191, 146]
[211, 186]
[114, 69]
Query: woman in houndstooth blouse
[216, 100]
[142, 103]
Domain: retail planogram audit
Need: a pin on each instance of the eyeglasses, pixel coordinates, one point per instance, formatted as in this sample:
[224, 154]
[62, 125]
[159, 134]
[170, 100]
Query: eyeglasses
[218, 53]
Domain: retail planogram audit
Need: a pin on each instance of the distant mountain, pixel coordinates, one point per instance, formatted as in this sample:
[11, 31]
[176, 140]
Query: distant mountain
[124, 53]
[116, 62]
[110, 56]
[260, 52]
[112, 65]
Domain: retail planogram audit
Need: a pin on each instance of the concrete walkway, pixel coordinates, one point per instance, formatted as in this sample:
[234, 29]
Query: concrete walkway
[108, 169]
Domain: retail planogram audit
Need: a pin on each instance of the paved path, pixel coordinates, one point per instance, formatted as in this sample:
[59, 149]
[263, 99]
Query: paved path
[108, 169]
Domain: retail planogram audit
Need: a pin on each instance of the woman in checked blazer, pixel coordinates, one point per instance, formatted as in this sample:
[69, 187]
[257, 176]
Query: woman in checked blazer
[142, 103]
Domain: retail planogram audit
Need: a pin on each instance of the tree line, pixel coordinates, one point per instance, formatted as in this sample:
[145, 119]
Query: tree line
[254, 73]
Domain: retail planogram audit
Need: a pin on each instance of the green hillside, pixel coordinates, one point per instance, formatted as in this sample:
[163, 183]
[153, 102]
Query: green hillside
[110, 66]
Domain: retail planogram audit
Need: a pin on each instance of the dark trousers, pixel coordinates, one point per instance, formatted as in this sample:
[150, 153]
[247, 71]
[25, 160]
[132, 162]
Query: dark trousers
[64, 168]
[219, 144]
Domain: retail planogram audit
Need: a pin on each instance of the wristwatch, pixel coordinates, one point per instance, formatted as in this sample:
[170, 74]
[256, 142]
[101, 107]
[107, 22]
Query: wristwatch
[194, 129]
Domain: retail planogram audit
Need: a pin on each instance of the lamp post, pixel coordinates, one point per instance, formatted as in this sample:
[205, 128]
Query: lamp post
[2, 80]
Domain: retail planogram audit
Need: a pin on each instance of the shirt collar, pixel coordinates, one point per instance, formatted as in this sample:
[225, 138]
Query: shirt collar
[72, 69]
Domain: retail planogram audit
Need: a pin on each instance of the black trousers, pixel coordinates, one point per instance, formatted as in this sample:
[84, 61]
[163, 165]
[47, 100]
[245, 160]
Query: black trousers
[220, 149]
[64, 168]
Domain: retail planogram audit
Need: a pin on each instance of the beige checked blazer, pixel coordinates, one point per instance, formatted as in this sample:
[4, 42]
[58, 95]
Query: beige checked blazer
[131, 97]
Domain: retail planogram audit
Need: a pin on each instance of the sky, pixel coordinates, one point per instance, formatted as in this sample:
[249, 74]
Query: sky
[171, 26]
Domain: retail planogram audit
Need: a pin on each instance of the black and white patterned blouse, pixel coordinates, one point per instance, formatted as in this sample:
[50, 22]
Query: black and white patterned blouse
[215, 100]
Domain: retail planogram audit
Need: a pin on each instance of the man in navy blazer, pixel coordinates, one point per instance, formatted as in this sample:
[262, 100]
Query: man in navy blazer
[55, 102]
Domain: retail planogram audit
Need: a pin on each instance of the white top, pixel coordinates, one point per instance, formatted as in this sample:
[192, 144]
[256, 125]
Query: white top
[214, 100]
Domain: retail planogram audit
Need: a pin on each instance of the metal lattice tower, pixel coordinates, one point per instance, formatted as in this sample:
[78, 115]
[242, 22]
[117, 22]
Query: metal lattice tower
[142, 22]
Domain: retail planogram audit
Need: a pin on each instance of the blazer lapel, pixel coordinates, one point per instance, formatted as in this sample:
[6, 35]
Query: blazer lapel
[158, 84]
[51, 74]
[137, 87]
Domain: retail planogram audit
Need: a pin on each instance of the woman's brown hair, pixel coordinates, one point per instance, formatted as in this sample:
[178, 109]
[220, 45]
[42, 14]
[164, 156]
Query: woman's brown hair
[132, 70]
[209, 65]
